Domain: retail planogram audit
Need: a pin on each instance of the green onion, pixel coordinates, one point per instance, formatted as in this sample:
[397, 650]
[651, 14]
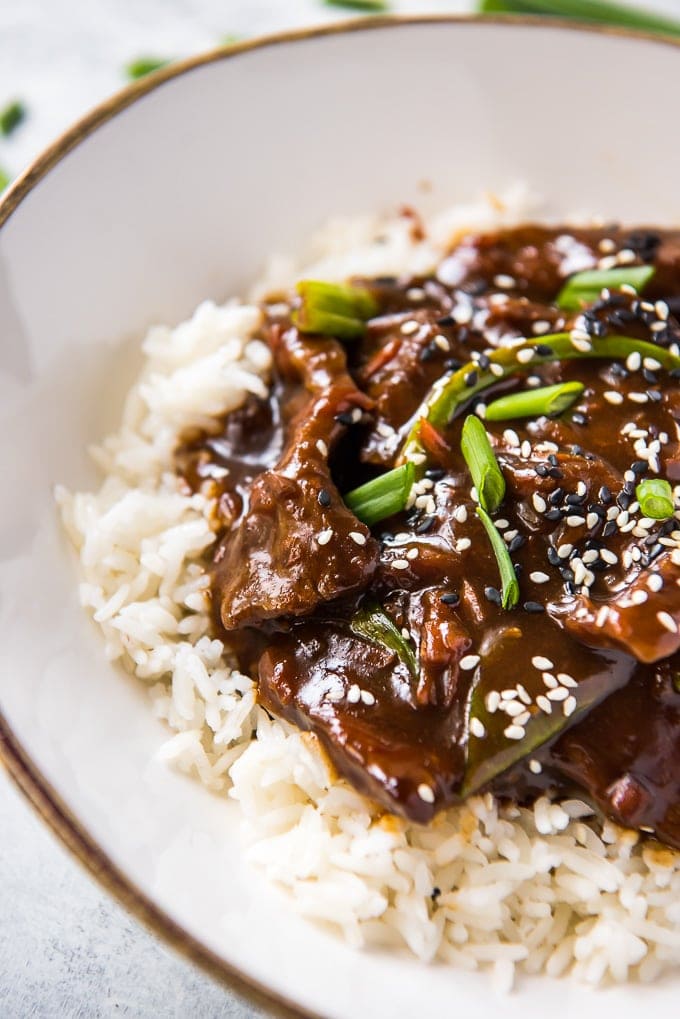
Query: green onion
[588, 10]
[509, 583]
[11, 117]
[479, 456]
[382, 497]
[142, 66]
[585, 287]
[548, 400]
[454, 391]
[374, 625]
[359, 5]
[4, 179]
[656, 498]
[333, 309]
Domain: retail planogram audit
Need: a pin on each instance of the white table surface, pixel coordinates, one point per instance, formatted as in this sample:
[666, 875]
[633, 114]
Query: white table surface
[66, 948]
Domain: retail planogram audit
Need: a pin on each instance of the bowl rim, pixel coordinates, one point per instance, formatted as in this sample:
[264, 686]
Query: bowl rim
[19, 766]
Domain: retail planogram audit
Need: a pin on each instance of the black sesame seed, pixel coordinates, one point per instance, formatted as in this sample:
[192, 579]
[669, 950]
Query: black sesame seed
[654, 395]
[435, 473]
[650, 376]
[483, 361]
[435, 893]
[605, 495]
[629, 488]
[451, 598]
[552, 460]
[575, 500]
[675, 373]
[579, 419]
[324, 497]
[599, 566]
[533, 606]
[516, 543]
[553, 515]
[667, 526]
[427, 353]
[556, 473]
[543, 350]
[425, 524]
[542, 471]
[345, 418]
[470, 378]
[475, 287]
[569, 587]
[639, 467]
[623, 500]
[452, 365]
[609, 529]
[618, 371]
[492, 594]
[553, 557]
[446, 320]
[576, 450]
[556, 497]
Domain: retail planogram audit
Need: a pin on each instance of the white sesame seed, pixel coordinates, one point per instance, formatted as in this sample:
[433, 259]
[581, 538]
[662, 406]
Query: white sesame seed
[426, 794]
[513, 708]
[412, 553]
[509, 535]
[540, 505]
[480, 410]
[667, 621]
[504, 281]
[611, 396]
[608, 262]
[441, 342]
[514, 732]
[522, 719]
[468, 662]
[549, 680]
[534, 381]
[322, 447]
[354, 694]
[511, 437]
[525, 355]
[541, 663]
[607, 246]
[609, 556]
[662, 310]
[460, 514]
[651, 364]
[525, 449]
[385, 430]
[539, 578]
[406, 634]
[590, 555]
[477, 728]
[558, 694]
[523, 695]
[496, 369]
[565, 550]
[540, 327]
[367, 697]
[581, 488]
[509, 695]
[357, 537]
[501, 523]
[463, 544]
[655, 582]
[462, 313]
[415, 293]
[535, 767]
[409, 327]
[569, 706]
[626, 256]
[400, 564]
[575, 521]
[634, 361]
[639, 597]
[638, 397]
[493, 699]
[580, 344]
[544, 704]
[567, 680]
[323, 537]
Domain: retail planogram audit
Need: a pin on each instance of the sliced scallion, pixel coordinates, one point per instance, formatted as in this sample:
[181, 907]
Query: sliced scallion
[584, 288]
[383, 496]
[480, 458]
[11, 116]
[548, 400]
[333, 309]
[360, 5]
[587, 10]
[4, 180]
[656, 498]
[509, 582]
[142, 66]
[374, 625]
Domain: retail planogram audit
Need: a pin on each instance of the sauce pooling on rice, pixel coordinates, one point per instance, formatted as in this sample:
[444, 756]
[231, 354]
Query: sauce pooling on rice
[448, 540]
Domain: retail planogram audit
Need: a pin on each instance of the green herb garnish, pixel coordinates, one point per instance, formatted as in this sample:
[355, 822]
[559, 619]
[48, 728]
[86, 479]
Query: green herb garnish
[479, 456]
[656, 498]
[509, 583]
[585, 287]
[609, 13]
[382, 497]
[333, 309]
[359, 5]
[548, 400]
[374, 625]
[4, 180]
[142, 66]
[454, 391]
[10, 117]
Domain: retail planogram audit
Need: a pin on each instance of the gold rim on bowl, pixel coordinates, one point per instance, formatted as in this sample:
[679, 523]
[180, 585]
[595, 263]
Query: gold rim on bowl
[20, 767]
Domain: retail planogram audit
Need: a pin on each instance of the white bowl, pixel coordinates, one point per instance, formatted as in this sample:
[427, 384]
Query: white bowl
[179, 189]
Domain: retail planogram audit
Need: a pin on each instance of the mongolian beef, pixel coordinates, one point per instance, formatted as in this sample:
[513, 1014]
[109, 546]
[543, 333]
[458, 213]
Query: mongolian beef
[449, 540]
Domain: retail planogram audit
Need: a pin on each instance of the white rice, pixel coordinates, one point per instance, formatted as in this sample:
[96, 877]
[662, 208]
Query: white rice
[544, 889]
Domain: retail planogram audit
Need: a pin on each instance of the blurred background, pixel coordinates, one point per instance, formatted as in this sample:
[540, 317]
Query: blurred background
[66, 949]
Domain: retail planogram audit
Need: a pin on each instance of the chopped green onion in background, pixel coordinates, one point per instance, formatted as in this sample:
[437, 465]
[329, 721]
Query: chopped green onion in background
[142, 66]
[382, 497]
[587, 10]
[4, 180]
[333, 309]
[656, 498]
[360, 5]
[585, 287]
[509, 583]
[11, 116]
[548, 400]
[374, 625]
[480, 458]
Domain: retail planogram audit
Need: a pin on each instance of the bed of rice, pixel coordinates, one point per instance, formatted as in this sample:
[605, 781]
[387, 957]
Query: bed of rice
[545, 889]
